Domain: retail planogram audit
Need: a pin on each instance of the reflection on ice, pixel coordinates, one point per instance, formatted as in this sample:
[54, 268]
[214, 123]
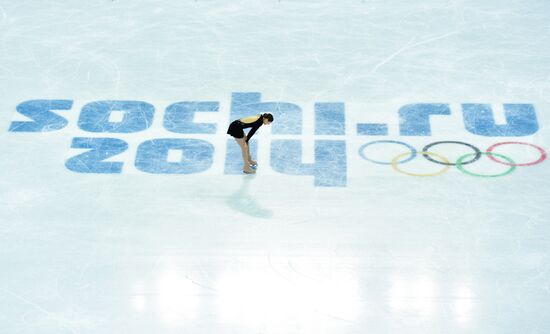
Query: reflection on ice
[249, 298]
[420, 296]
[463, 305]
[416, 295]
[177, 297]
[423, 294]
[138, 302]
[243, 202]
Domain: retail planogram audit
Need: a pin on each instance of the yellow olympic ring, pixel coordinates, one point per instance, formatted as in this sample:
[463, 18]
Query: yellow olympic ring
[395, 161]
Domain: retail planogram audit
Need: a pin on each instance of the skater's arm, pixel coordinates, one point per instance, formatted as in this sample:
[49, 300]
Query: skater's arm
[251, 133]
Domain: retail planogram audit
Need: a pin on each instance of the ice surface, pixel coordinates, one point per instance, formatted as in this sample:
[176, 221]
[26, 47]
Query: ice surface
[167, 236]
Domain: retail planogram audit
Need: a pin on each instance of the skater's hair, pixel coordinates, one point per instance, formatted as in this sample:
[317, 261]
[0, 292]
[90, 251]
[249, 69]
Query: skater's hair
[268, 116]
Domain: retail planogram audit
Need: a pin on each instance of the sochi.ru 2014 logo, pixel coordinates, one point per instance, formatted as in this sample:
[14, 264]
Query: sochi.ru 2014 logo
[112, 121]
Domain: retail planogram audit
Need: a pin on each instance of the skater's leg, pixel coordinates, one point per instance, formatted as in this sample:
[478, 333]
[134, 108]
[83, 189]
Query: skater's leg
[245, 153]
[250, 161]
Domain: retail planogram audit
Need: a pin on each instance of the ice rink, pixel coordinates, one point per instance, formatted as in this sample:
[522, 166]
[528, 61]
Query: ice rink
[402, 188]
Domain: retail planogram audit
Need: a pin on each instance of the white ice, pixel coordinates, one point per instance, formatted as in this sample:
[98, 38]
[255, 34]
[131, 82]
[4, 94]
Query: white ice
[211, 252]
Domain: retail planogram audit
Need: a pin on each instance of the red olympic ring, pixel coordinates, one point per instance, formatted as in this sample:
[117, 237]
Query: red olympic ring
[539, 160]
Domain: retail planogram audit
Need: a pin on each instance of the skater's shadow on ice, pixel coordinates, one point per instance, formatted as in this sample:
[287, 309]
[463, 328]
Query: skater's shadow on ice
[243, 202]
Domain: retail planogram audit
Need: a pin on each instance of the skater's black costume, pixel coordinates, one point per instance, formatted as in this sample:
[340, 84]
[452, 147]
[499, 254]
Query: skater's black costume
[236, 128]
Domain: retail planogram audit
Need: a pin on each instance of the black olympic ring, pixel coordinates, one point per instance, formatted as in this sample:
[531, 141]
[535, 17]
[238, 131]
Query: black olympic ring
[476, 157]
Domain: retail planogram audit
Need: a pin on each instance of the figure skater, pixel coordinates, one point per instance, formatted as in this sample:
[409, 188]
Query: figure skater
[236, 130]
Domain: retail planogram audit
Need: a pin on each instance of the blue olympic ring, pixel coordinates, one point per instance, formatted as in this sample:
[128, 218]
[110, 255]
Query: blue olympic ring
[412, 149]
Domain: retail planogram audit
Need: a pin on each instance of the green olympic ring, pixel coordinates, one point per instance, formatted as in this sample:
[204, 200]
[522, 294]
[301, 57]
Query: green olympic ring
[489, 154]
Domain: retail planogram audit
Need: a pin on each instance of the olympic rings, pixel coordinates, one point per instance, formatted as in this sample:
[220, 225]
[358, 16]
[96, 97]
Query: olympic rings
[477, 153]
[539, 160]
[446, 162]
[460, 161]
[489, 154]
[362, 148]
